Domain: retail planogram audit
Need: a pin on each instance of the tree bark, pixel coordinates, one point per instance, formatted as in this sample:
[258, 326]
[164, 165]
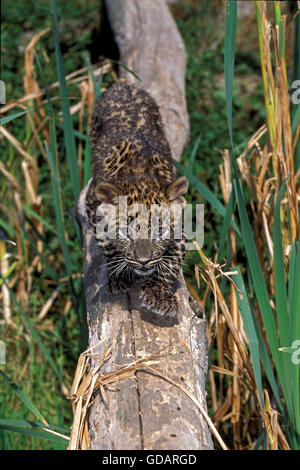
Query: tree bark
[151, 46]
[146, 411]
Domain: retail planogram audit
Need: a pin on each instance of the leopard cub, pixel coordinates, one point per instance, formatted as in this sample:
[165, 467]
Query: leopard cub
[132, 165]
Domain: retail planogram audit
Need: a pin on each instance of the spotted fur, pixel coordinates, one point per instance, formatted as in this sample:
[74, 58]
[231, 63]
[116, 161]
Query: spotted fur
[131, 157]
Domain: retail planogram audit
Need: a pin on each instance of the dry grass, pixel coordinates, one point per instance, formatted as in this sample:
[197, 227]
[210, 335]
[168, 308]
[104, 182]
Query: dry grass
[266, 162]
[26, 154]
[89, 379]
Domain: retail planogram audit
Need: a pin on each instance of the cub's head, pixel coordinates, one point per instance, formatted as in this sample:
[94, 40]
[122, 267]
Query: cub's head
[140, 228]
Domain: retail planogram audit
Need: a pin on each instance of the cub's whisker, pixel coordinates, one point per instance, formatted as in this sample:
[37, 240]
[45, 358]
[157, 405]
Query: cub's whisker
[116, 270]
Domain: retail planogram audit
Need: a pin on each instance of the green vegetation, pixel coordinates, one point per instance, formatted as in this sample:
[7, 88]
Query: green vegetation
[269, 304]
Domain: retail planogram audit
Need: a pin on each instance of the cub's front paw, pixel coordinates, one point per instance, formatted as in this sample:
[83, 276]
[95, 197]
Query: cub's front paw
[158, 301]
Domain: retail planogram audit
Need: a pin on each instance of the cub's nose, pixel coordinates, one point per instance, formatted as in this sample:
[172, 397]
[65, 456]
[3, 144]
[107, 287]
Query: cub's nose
[143, 251]
[143, 259]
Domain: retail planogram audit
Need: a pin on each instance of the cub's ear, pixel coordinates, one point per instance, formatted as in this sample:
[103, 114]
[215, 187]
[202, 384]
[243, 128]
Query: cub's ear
[177, 190]
[107, 193]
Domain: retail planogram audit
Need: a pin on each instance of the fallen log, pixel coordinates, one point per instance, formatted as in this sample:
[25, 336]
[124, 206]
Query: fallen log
[146, 385]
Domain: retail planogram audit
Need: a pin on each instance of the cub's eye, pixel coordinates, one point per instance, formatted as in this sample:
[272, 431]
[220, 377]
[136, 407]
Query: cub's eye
[137, 230]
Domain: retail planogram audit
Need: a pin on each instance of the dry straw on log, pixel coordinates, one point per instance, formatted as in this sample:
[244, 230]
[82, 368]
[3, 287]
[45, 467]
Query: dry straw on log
[142, 383]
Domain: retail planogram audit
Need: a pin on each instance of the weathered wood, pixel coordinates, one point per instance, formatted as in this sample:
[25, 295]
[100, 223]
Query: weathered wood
[144, 411]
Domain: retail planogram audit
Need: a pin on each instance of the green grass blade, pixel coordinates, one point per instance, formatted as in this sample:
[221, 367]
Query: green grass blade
[296, 118]
[192, 156]
[8, 273]
[125, 68]
[8, 229]
[49, 271]
[244, 307]
[283, 321]
[294, 333]
[229, 53]
[260, 440]
[36, 216]
[76, 133]
[256, 273]
[87, 163]
[59, 217]
[96, 84]
[99, 84]
[296, 76]
[261, 292]
[9, 118]
[279, 276]
[295, 321]
[206, 193]
[34, 334]
[265, 360]
[33, 432]
[25, 399]
[58, 211]
[292, 289]
[226, 222]
[23, 423]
